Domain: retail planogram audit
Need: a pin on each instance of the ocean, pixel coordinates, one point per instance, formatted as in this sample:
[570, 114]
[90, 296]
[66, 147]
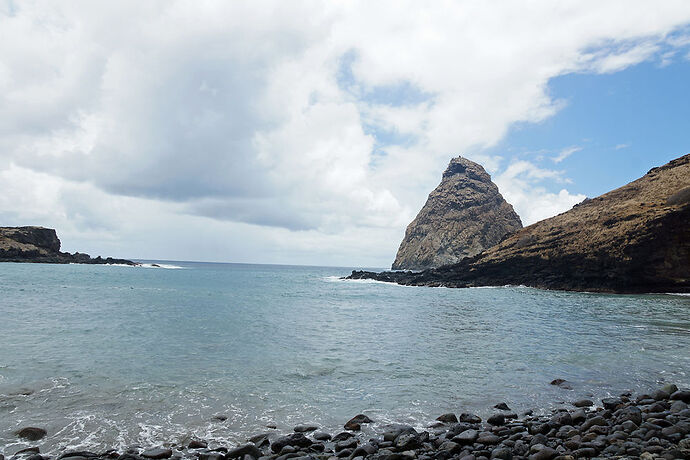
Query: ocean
[106, 357]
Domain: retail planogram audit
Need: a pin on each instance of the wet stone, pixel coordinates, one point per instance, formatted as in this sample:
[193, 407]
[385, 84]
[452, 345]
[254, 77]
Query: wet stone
[321, 436]
[240, 452]
[502, 453]
[585, 452]
[448, 418]
[583, 403]
[466, 437]
[287, 455]
[31, 433]
[354, 424]
[346, 444]
[611, 403]
[681, 395]
[488, 438]
[470, 418]
[342, 436]
[660, 395]
[317, 447]
[407, 441]
[197, 444]
[364, 450]
[562, 383]
[78, 453]
[157, 454]
[305, 428]
[496, 419]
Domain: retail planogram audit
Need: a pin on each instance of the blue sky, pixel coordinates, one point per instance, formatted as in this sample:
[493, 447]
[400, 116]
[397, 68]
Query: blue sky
[624, 124]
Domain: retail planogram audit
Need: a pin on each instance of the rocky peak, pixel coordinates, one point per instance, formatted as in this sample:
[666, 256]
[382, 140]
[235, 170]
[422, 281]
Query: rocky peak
[464, 167]
[462, 217]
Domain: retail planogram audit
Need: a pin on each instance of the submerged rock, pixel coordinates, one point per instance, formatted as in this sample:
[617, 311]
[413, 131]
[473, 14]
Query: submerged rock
[31, 433]
[305, 428]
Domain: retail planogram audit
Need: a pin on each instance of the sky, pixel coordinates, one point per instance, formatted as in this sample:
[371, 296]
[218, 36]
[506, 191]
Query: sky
[311, 132]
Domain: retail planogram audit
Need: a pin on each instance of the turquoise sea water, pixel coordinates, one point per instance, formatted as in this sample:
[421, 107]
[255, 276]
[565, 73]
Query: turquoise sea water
[107, 356]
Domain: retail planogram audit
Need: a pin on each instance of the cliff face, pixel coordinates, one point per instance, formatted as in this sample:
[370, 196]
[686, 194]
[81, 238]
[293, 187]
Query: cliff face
[462, 217]
[39, 244]
[633, 239]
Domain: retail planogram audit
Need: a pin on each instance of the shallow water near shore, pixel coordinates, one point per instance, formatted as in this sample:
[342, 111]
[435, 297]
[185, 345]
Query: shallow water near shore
[107, 356]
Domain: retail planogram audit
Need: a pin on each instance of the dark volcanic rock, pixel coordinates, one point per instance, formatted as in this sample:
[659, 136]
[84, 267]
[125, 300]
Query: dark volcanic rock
[630, 240]
[39, 244]
[31, 433]
[354, 424]
[462, 217]
[496, 419]
[681, 395]
[197, 444]
[157, 454]
[305, 428]
[240, 452]
[296, 439]
[583, 403]
[447, 418]
[470, 418]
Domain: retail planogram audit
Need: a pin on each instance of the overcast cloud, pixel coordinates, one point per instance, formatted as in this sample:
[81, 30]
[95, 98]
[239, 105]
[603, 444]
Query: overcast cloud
[301, 131]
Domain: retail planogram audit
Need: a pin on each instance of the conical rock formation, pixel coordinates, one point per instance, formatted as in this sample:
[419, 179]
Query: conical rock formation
[462, 217]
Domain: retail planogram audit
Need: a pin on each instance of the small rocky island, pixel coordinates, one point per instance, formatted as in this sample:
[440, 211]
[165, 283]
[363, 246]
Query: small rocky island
[462, 217]
[634, 239]
[42, 245]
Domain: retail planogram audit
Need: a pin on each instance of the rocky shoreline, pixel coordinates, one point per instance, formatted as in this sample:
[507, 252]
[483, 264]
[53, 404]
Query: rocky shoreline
[648, 426]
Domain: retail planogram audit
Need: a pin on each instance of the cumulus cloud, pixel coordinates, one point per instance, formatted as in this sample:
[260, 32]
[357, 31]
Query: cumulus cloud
[293, 122]
[520, 184]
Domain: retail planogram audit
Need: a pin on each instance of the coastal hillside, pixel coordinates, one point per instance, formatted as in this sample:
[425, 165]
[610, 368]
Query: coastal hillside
[42, 245]
[633, 239]
[462, 217]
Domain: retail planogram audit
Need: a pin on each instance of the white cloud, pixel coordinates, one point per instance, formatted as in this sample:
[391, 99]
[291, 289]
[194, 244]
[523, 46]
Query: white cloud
[286, 123]
[565, 153]
[520, 186]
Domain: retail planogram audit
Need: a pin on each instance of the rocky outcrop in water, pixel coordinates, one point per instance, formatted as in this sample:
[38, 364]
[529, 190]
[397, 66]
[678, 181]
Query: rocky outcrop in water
[42, 245]
[633, 239]
[462, 217]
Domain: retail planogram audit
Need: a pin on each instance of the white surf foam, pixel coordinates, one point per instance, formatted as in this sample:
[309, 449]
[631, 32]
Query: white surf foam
[165, 266]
